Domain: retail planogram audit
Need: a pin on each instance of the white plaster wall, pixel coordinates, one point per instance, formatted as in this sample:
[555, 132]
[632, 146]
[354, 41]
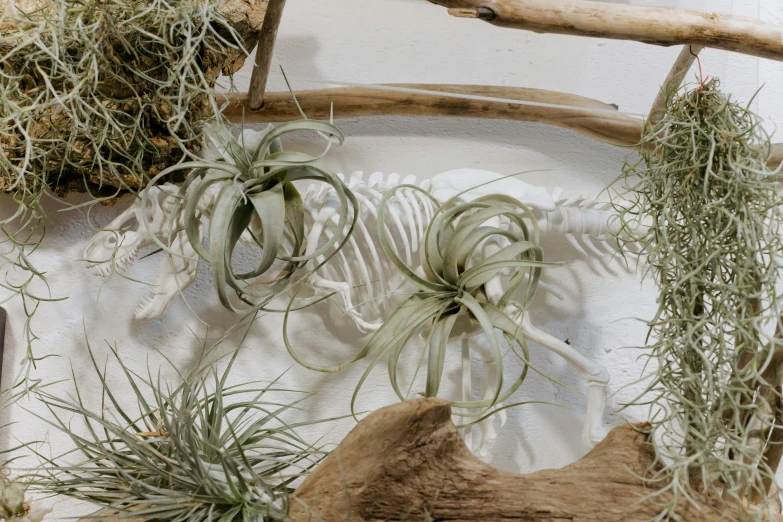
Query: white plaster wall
[377, 41]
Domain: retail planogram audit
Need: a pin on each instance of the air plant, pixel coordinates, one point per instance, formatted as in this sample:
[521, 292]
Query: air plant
[97, 96]
[257, 199]
[712, 222]
[204, 450]
[450, 298]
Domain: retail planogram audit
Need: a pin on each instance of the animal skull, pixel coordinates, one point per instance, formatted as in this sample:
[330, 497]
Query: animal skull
[116, 245]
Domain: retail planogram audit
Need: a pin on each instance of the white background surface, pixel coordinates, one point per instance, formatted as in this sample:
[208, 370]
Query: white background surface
[375, 41]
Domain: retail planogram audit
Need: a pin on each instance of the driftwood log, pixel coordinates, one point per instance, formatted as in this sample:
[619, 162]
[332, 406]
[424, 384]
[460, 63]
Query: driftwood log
[653, 25]
[408, 462]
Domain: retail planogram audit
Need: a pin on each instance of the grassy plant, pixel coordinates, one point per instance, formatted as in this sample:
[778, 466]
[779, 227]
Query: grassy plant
[202, 451]
[97, 96]
[257, 197]
[711, 223]
[450, 298]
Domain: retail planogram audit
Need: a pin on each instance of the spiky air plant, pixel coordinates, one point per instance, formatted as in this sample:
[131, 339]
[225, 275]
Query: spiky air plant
[449, 297]
[711, 216]
[97, 96]
[258, 198]
[202, 451]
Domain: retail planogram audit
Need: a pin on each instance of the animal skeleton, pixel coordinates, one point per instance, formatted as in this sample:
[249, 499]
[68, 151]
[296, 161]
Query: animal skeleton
[362, 277]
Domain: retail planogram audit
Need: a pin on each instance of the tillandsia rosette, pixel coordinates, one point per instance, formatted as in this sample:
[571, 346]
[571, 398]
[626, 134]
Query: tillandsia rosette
[451, 293]
[711, 215]
[257, 197]
[203, 450]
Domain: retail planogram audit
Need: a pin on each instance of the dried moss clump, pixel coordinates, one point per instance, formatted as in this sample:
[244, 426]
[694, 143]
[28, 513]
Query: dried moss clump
[99, 96]
[711, 217]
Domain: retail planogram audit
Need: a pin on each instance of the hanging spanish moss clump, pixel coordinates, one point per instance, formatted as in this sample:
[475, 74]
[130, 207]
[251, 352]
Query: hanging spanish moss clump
[711, 216]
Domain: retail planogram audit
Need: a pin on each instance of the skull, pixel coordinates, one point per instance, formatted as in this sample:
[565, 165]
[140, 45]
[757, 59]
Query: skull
[116, 245]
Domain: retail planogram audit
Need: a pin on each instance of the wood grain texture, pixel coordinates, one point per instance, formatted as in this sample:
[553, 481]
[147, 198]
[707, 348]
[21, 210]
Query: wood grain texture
[264, 51]
[408, 462]
[653, 25]
[353, 102]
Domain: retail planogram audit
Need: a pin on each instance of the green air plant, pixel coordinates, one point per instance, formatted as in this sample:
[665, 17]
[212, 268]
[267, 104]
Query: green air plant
[97, 96]
[449, 298]
[706, 209]
[202, 451]
[257, 197]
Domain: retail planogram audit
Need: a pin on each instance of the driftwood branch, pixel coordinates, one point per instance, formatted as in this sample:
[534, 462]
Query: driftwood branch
[264, 51]
[673, 80]
[350, 102]
[408, 462]
[653, 25]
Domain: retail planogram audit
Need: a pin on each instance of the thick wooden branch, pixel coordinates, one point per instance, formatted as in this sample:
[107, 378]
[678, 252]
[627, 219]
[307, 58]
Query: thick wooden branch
[652, 25]
[352, 102]
[408, 462]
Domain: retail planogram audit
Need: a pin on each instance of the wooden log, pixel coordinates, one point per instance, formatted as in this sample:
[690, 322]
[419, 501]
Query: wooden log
[352, 102]
[408, 462]
[653, 25]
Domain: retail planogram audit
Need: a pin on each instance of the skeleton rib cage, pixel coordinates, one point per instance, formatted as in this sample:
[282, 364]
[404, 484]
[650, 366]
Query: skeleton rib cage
[363, 279]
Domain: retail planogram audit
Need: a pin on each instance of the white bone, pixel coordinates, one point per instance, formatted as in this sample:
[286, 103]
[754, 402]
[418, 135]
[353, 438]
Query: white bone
[574, 243]
[471, 184]
[590, 246]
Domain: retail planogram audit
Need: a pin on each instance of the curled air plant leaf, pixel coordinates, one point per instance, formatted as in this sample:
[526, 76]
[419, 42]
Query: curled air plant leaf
[712, 217]
[96, 96]
[205, 450]
[450, 298]
[257, 195]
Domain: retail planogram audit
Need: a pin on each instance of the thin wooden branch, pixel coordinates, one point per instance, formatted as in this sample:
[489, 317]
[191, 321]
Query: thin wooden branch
[353, 102]
[264, 51]
[674, 79]
[653, 25]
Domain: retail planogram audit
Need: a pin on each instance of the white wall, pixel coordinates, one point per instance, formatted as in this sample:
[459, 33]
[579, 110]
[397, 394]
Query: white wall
[407, 41]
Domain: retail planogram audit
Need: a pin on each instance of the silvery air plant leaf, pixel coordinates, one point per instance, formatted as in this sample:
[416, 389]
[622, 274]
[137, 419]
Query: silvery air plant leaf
[257, 195]
[450, 297]
[202, 451]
